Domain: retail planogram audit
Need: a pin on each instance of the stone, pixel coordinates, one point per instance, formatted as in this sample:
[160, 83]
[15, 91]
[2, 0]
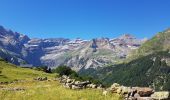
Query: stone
[82, 83]
[68, 85]
[119, 90]
[136, 95]
[74, 87]
[144, 98]
[40, 79]
[131, 98]
[94, 86]
[105, 93]
[125, 90]
[65, 77]
[77, 82]
[44, 78]
[69, 80]
[115, 87]
[145, 91]
[163, 95]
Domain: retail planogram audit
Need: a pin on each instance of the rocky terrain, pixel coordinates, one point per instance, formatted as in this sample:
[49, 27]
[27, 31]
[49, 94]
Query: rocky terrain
[128, 93]
[78, 53]
[149, 66]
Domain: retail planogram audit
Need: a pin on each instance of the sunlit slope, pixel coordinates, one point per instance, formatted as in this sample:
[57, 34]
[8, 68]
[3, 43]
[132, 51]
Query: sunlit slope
[11, 72]
[41, 90]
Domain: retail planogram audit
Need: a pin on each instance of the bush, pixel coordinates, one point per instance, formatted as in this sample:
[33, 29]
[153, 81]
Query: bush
[43, 68]
[95, 81]
[64, 70]
[5, 60]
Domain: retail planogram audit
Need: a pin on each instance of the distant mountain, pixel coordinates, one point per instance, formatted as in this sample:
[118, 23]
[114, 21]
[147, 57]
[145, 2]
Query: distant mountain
[78, 53]
[150, 66]
[12, 45]
[160, 42]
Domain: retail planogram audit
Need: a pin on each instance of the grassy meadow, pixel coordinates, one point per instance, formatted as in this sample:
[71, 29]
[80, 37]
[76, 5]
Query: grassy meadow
[41, 90]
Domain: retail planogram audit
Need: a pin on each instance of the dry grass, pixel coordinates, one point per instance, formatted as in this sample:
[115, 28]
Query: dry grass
[42, 90]
[51, 91]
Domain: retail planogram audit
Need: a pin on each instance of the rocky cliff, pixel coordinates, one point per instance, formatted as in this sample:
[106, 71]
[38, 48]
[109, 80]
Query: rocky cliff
[78, 53]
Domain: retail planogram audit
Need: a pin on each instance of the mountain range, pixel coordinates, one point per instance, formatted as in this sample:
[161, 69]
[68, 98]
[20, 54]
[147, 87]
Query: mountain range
[76, 53]
[147, 66]
[125, 60]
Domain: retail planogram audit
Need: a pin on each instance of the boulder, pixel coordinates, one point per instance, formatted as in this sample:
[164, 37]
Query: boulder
[41, 78]
[82, 83]
[145, 91]
[65, 77]
[44, 78]
[93, 86]
[74, 87]
[144, 98]
[131, 98]
[163, 95]
[68, 85]
[77, 82]
[119, 90]
[125, 90]
[115, 87]
[136, 95]
[69, 80]
[105, 93]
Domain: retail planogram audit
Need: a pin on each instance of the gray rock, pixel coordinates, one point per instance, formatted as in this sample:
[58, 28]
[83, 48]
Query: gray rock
[74, 87]
[136, 95]
[144, 98]
[163, 95]
[145, 91]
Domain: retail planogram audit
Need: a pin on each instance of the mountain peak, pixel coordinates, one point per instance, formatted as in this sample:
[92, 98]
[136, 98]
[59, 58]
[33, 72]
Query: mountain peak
[127, 36]
[167, 30]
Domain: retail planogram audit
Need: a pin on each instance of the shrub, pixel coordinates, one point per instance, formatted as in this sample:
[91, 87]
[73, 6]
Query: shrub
[43, 68]
[64, 70]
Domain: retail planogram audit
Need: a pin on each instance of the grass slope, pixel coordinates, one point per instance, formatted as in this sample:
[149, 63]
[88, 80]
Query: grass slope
[10, 72]
[159, 42]
[42, 90]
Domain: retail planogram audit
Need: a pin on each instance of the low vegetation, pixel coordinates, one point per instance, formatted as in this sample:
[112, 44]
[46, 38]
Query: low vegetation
[30, 89]
[64, 70]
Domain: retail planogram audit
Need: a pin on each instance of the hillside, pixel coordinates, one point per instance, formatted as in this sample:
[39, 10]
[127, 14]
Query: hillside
[77, 53]
[150, 66]
[159, 42]
[24, 88]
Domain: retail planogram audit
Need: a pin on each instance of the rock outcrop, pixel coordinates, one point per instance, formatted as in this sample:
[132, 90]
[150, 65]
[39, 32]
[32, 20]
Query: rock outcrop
[41, 78]
[73, 84]
[139, 93]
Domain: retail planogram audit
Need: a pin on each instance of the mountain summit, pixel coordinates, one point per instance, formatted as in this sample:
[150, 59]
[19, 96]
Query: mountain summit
[20, 49]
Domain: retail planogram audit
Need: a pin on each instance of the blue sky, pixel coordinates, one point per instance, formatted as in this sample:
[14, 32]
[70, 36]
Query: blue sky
[85, 18]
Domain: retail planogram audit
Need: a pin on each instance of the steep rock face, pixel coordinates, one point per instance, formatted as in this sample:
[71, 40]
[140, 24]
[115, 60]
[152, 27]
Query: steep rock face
[12, 45]
[77, 53]
[90, 54]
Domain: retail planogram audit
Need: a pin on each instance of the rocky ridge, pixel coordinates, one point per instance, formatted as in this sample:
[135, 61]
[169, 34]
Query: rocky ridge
[78, 53]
